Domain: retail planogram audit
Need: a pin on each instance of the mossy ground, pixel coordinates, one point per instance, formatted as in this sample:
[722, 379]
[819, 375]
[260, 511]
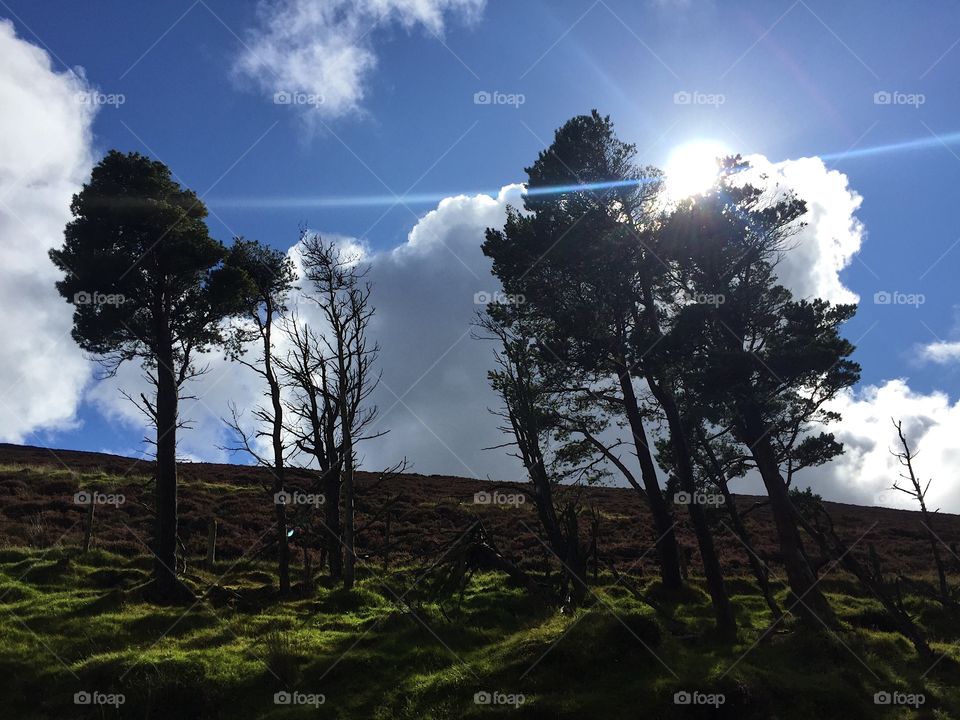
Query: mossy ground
[73, 623]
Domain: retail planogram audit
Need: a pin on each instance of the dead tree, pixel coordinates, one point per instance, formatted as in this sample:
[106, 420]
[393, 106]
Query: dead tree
[338, 289]
[819, 525]
[314, 421]
[271, 276]
[919, 493]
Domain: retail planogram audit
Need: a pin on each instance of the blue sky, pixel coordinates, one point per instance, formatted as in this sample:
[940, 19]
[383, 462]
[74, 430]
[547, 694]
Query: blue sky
[794, 80]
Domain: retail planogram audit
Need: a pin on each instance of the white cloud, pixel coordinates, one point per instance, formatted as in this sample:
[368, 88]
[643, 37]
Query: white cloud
[325, 50]
[941, 352]
[45, 156]
[867, 470]
[832, 235]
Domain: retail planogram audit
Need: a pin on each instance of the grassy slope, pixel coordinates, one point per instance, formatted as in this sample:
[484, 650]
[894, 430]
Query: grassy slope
[68, 628]
[72, 623]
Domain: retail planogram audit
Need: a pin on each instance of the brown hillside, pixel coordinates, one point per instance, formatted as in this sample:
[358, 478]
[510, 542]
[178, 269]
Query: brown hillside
[37, 487]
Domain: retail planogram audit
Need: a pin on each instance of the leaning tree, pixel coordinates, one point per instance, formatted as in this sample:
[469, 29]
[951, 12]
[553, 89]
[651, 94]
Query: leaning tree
[148, 282]
[756, 360]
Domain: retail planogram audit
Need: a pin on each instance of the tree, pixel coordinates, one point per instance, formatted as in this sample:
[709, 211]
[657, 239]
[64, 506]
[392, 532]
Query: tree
[541, 430]
[314, 411]
[147, 282]
[338, 288]
[574, 257]
[272, 276]
[918, 492]
[757, 361]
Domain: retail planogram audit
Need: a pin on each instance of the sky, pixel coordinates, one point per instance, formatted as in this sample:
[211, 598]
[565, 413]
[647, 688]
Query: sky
[402, 127]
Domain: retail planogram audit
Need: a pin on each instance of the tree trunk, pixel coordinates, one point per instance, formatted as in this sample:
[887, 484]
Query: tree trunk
[331, 509]
[812, 605]
[723, 612]
[667, 550]
[165, 542]
[760, 571]
[283, 542]
[349, 543]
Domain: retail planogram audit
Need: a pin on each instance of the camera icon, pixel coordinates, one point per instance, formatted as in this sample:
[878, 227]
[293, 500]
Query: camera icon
[282, 98]
[82, 298]
[682, 98]
[482, 698]
[482, 498]
[682, 498]
[82, 698]
[882, 298]
[282, 498]
[482, 298]
[282, 698]
[482, 98]
[882, 97]
[882, 698]
[682, 697]
[82, 498]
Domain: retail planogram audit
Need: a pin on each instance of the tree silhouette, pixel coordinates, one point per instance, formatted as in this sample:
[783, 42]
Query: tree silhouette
[272, 277]
[147, 282]
[755, 360]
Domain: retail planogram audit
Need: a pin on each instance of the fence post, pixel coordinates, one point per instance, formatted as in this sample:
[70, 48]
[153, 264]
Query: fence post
[88, 531]
[211, 543]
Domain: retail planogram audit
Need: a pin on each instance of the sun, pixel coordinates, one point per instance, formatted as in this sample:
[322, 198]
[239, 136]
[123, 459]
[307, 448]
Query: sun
[692, 168]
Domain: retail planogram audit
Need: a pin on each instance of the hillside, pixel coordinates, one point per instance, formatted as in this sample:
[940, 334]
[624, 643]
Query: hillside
[427, 512]
[81, 642]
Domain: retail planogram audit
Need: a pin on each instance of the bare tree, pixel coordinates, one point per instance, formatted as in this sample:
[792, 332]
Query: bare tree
[314, 421]
[272, 276]
[337, 286]
[918, 492]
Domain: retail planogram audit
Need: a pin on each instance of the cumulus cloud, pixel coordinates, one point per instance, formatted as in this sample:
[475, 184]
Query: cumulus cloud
[832, 235]
[867, 471]
[45, 156]
[433, 396]
[941, 352]
[320, 53]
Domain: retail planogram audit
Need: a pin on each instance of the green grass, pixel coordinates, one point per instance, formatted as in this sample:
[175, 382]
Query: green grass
[74, 622]
[97, 478]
